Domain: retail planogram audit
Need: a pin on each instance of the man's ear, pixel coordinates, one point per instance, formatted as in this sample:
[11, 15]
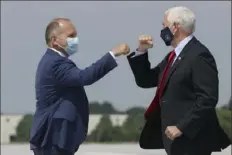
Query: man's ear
[54, 41]
[175, 27]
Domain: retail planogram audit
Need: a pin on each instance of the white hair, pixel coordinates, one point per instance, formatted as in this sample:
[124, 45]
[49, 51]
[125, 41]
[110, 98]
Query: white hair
[183, 16]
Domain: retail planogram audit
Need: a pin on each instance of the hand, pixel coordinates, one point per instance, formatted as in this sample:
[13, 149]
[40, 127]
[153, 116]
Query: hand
[172, 132]
[122, 49]
[145, 42]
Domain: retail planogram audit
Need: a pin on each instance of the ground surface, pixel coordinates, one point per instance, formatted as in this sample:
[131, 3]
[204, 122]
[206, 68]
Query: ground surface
[96, 149]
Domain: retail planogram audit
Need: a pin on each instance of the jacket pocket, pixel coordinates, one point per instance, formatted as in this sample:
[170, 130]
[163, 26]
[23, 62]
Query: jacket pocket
[66, 110]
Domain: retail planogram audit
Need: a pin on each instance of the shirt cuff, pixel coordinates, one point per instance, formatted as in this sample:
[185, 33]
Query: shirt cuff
[138, 53]
[112, 54]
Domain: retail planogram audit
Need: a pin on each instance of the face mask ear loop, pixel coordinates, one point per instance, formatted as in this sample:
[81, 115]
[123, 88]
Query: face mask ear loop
[64, 48]
[170, 27]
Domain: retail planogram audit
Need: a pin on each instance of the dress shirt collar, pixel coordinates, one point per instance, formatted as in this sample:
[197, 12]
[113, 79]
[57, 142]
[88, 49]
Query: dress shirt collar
[60, 53]
[182, 44]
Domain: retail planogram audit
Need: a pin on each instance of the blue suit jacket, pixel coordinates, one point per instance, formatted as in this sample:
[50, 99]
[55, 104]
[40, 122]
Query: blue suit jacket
[62, 113]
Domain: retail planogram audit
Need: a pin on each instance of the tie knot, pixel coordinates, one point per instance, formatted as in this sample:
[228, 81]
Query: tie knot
[171, 56]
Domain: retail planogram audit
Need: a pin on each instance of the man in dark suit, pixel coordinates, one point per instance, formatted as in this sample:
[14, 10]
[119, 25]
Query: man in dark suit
[181, 118]
[60, 122]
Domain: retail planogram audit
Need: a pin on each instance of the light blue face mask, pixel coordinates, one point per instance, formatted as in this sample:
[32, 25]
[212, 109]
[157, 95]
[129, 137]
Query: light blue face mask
[72, 45]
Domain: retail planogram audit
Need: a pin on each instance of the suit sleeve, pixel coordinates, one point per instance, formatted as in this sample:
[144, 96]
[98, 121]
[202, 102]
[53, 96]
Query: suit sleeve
[145, 76]
[66, 73]
[205, 84]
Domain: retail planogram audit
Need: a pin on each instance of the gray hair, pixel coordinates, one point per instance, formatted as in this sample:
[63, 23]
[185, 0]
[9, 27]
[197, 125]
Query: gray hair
[183, 16]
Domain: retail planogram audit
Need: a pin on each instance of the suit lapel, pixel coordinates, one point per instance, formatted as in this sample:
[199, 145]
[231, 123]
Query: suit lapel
[178, 61]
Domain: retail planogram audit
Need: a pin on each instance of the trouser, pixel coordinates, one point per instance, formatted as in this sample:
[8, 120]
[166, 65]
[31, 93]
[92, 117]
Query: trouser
[53, 151]
[200, 154]
[203, 154]
[207, 153]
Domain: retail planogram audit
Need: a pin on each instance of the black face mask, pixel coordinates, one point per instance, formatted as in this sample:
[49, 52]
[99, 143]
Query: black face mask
[167, 36]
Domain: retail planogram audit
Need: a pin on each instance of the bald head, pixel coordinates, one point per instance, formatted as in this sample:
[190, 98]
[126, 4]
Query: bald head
[58, 30]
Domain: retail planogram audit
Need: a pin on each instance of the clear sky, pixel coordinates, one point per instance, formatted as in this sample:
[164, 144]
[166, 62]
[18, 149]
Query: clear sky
[102, 25]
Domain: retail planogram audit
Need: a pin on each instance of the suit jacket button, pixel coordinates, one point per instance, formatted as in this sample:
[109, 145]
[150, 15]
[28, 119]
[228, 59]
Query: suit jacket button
[163, 101]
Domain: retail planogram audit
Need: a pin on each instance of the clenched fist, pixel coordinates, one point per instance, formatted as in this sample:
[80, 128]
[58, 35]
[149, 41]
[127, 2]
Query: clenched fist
[122, 49]
[172, 132]
[145, 42]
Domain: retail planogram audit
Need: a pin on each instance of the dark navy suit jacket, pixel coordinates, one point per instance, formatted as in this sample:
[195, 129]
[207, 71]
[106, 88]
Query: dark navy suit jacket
[62, 113]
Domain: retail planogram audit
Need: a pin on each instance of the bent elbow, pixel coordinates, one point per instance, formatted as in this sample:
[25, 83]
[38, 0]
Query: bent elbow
[141, 85]
[144, 84]
[86, 81]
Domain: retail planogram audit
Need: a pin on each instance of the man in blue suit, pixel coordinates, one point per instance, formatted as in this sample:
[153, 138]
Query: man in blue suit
[60, 122]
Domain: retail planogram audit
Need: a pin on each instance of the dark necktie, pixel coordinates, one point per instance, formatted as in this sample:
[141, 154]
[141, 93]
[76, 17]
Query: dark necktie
[155, 104]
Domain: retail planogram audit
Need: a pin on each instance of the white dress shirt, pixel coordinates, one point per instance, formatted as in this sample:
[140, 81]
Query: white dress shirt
[181, 46]
[177, 50]
[60, 53]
